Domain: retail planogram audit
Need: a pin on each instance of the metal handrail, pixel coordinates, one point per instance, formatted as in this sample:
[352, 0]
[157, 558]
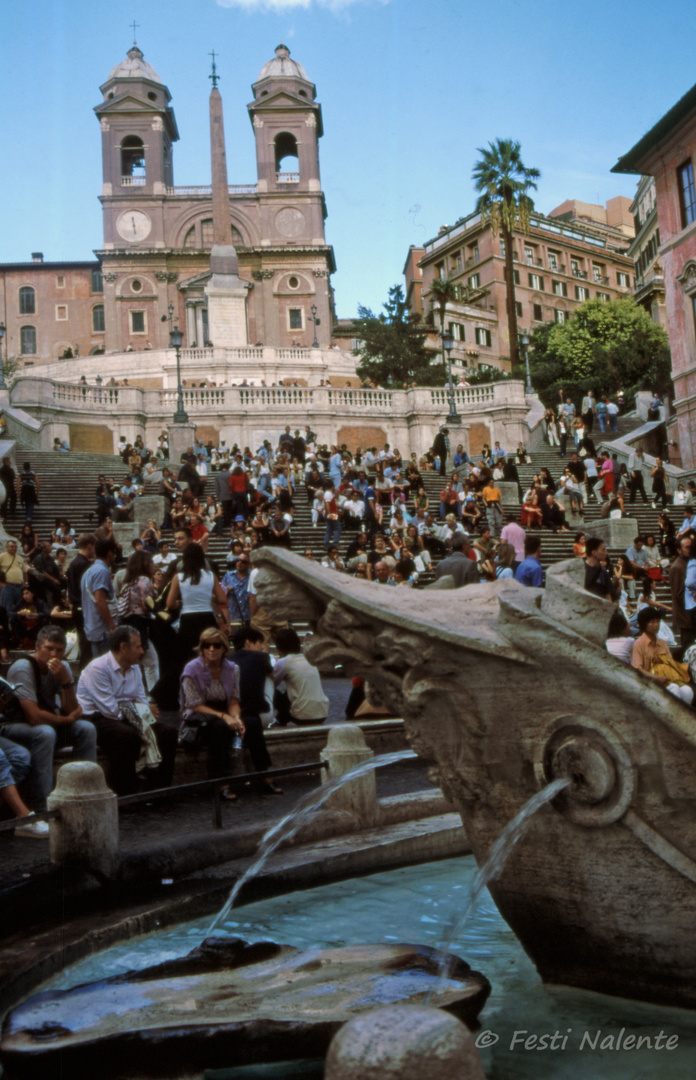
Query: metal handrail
[238, 780]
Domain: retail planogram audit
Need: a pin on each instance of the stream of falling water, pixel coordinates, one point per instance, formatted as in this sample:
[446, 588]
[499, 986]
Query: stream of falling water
[493, 865]
[289, 825]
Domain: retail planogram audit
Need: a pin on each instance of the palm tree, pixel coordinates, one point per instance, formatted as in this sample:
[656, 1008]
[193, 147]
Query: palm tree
[504, 183]
[442, 292]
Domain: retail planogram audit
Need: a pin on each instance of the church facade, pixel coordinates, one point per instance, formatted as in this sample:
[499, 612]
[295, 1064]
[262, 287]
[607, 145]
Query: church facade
[155, 254]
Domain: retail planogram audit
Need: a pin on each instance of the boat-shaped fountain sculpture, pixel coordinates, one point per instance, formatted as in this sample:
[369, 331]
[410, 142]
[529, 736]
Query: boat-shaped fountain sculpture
[503, 689]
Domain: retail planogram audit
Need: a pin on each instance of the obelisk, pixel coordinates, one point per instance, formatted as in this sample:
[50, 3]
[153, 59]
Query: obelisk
[226, 293]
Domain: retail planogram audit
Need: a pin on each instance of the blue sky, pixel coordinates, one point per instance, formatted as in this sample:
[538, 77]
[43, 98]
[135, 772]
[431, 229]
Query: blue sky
[409, 89]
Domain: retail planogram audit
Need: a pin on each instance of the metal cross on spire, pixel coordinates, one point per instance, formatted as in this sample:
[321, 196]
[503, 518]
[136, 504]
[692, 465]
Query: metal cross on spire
[135, 26]
[214, 76]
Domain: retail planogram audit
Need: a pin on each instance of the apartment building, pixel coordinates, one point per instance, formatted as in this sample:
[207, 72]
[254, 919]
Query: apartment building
[561, 262]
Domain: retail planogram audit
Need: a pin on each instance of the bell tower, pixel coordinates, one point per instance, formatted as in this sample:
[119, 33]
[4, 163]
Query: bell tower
[287, 125]
[292, 298]
[138, 130]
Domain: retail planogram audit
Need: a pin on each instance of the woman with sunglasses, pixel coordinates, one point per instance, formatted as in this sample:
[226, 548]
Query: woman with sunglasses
[209, 701]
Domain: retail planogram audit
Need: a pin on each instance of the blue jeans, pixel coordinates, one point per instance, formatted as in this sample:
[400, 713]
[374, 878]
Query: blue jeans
[602, 421]
[11, 595]
[332, 534]
[99, 648]
[15, 762]
[40, 741]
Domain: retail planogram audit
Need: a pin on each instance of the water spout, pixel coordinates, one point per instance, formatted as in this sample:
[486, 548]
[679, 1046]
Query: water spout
[495, 862]
[289, 825]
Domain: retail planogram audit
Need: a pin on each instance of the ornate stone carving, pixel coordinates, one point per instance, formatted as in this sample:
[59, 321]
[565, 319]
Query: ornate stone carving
[262, 275]
[202, 1002]
[258, 122]
[310, 120]
[166, 275]
[110, 278]
[687, 278]
[321, 273]
[157, 124]
[466, 670]
[104, 125]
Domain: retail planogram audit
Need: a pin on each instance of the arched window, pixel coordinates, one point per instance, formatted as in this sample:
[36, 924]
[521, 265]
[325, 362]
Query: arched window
[190, 238]
[207, 233]
[27, 300]
[237, 238]
[27, 339]
[286, 158]
[132, 156]
[98, 319]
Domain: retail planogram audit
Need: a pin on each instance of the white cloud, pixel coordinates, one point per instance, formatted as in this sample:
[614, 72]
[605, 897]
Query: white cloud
[286, 5]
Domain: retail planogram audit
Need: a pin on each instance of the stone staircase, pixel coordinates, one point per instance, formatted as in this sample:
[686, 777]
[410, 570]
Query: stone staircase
[68, 484]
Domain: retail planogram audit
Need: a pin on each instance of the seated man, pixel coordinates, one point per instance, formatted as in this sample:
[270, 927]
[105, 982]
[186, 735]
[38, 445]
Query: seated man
[458, 565]
[279, 530]
[553, 515]
[304, 700]
[44, 710]
[638, 558]
[107, 683]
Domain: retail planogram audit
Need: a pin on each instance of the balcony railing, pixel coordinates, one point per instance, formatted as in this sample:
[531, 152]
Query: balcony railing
[133, 181]
[288, 177]
[206, 189]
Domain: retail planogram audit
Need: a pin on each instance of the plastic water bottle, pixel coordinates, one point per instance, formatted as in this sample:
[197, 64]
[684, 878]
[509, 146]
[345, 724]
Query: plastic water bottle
[236, 743]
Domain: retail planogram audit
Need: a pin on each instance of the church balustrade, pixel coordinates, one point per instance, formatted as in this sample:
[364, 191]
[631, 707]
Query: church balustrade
[284, 396]
[49, 397]
[466, 397]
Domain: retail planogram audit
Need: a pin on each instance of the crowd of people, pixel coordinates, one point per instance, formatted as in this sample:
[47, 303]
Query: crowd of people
[163, 626]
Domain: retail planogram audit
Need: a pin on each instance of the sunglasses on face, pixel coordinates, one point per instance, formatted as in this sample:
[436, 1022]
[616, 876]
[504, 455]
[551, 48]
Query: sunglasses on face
[213, 645]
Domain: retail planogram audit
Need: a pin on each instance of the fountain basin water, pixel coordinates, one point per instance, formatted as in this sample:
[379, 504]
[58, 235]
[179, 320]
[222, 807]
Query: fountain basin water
[418, 902]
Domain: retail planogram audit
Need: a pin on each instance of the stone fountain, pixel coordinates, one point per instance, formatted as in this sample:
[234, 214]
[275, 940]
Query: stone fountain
[504, 689]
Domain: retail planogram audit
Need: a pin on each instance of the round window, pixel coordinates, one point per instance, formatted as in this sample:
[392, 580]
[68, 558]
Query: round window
[293, 282]
[136, 285]
[152, 97]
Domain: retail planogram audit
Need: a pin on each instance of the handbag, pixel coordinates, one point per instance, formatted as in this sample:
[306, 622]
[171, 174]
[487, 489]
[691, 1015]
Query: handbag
[666, 667]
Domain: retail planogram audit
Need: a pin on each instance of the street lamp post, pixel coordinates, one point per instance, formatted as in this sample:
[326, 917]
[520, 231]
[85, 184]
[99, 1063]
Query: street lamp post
[175, 340]
[447, 346]
[3, 384]
[316, 321]
[529, 389]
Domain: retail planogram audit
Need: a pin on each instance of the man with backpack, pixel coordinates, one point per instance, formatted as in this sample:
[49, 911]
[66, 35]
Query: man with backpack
[44, 710]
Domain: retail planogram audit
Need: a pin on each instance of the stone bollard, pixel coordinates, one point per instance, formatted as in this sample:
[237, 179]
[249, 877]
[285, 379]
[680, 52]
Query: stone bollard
[346, 748]
[86, 834]
[403, 1042]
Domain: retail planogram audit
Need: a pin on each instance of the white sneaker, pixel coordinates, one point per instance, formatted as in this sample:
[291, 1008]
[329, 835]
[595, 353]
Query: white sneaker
[33, 830]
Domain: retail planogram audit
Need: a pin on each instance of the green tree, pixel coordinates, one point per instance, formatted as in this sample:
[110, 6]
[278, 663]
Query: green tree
[605, 345]
[504, 182]
[392, 344]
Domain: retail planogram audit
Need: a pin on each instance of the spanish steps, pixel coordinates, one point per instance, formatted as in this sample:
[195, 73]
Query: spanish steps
[68, 483]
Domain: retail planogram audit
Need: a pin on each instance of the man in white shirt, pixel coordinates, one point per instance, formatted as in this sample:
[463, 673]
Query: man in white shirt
[635, 468]
[304, 700]
[106, 683]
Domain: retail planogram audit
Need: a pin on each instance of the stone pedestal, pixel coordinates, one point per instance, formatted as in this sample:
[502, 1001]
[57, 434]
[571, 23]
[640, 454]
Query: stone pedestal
[226, 296]
[615, 532]
[149, 506]
[403, 1042]
[345, 749]
[510, 492]
[86, 834]
[181, 438]
[124, 533]
[458, 433]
